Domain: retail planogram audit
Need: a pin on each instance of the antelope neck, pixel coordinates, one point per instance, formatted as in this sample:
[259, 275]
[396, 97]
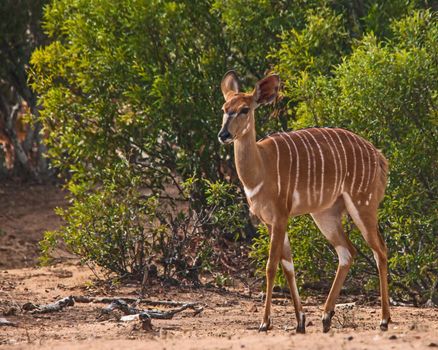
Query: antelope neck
[247, 157]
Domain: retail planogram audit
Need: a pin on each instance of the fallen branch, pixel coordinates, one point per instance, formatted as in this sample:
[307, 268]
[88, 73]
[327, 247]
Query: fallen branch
[5, 322]
[53, 307]
[123, 306]
[109, 300]
[165, 315]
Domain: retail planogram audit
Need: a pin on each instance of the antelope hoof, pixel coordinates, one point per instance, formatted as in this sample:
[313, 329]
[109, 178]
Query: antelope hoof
[265, 326]
[301, 327]
[384, 324]
[327, 321]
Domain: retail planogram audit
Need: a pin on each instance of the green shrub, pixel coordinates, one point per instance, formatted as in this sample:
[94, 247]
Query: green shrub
[131, 109]
[387, 92]
[124, 230]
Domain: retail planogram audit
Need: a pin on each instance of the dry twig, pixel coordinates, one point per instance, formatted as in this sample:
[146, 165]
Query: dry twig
[53, 307]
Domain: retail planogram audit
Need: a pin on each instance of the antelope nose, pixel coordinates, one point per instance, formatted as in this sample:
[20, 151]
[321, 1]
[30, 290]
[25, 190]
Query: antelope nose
[224, 135]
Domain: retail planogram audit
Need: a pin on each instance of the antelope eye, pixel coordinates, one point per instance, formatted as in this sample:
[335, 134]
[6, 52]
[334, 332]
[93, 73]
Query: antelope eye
[244, 110]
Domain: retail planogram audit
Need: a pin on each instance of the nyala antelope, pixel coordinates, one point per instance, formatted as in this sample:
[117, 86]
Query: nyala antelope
[318, 171]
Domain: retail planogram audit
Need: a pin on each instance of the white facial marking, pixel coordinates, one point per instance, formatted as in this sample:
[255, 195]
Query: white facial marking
[354, 213]
[358, 202]
[251, 192]
[369, 196]
[229, 115]
[344, 255]
[367, 203]
[288, 265]
[246, 129]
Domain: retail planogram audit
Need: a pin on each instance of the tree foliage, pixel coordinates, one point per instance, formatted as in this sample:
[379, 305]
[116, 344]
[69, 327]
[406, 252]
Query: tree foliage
[131, 98]
[386, 91]
[20, 34]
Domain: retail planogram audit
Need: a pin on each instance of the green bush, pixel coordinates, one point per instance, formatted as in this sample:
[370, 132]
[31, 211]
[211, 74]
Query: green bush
[387, 92]
[131, 109]
[121, 228]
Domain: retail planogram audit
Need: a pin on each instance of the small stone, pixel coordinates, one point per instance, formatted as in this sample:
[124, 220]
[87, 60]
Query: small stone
[433, 345]
[430, 303]
[350, 337]
[392, 337]
[413, 326]
[310, 323]
[11, 311]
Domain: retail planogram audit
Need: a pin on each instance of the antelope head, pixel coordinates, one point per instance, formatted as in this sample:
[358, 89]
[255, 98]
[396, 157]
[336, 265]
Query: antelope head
[239, 107]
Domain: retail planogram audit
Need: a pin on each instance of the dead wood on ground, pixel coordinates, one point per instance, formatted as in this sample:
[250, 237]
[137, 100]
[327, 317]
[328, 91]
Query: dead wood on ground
[5, 322]
[122, 305]
[52, 307]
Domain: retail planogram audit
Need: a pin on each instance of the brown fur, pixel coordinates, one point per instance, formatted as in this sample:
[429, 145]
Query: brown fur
[320, 171]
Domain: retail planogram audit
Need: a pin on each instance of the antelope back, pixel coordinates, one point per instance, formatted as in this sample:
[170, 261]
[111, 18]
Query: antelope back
[313, 167]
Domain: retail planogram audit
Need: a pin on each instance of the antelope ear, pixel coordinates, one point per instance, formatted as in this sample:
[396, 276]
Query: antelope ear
[266, 90]
[229, 84]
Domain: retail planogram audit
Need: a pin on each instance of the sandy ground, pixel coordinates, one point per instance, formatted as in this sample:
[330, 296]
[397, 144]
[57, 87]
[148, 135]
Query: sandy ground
[229, 320]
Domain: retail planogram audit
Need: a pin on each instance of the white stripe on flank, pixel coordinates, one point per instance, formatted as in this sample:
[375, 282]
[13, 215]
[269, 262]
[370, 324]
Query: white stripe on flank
[323, 132]
[376, 157]
[314, 165]
[354, 159]
[290, 167]
[338, 162]
[297, 173]
[322, 167]
[345, 159]
[364, 143]
[362, 176]
[308, 167]
[278, 166]
[251, 192]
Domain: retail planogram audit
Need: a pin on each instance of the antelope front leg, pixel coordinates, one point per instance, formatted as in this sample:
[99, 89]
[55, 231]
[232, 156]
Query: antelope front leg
[277, 233]
[289, 271]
